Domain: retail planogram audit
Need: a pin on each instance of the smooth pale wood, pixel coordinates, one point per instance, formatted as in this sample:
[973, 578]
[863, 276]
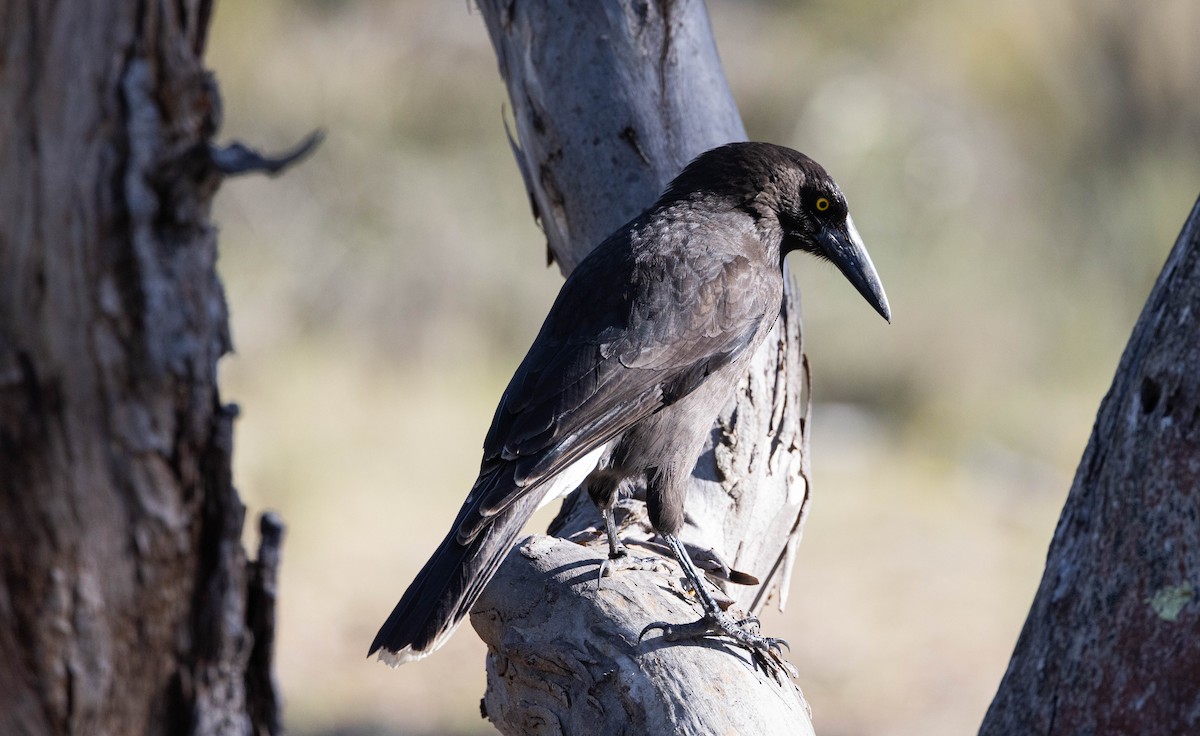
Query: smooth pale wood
[1112, 642]
[123, 605]
[564, 656]
[611, 99]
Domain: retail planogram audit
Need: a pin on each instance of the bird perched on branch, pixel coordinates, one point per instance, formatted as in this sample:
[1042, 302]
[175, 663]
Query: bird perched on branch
[643, 347]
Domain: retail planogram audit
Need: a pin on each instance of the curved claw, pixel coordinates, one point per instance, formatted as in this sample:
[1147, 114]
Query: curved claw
[773, 663]
[606, 567]
[660, 625]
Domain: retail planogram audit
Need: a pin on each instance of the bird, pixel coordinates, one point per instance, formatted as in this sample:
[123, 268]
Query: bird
[642, 348]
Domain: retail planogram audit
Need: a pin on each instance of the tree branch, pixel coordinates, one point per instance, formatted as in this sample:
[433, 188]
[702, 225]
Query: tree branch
[564, 656]
[610, 100]
[1112, 642]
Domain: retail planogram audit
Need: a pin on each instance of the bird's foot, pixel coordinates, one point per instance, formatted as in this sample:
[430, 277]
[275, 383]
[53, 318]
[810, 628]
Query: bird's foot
[622, 560]
[765, 652]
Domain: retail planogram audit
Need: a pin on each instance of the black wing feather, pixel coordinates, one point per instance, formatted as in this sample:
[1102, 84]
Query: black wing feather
[605, 359]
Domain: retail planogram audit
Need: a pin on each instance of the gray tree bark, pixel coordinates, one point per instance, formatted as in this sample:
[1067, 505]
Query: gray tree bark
[1112, 642]
[611, 99]
[123, 608]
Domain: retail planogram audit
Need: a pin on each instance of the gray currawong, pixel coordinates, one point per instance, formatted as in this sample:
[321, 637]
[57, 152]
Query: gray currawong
[643, 347]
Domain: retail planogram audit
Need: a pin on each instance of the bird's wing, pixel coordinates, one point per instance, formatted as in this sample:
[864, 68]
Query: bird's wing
[625, 338]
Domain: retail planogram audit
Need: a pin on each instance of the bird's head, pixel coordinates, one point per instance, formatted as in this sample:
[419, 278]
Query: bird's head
[815, 219]
[783, 185]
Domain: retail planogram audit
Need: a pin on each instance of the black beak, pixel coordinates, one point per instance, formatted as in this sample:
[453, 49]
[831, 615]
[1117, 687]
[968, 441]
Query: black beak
[844, 246]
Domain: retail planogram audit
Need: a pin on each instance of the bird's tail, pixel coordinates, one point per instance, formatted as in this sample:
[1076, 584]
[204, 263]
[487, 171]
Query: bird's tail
[444, 591]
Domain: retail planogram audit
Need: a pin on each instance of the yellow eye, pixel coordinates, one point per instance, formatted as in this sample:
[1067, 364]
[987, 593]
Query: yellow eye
[822, 204]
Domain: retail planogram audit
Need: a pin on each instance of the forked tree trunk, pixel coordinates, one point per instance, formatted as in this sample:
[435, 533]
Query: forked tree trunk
[124, 603]
[1112, 642]
[611, 99]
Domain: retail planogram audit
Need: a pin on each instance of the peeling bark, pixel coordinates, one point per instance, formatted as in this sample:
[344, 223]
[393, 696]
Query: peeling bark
[123, 605]
[1112, 642]
[610, 100]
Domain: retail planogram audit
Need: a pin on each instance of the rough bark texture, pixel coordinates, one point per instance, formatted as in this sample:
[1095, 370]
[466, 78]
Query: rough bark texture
[611, 99]
[1112, 642]
[123, 606]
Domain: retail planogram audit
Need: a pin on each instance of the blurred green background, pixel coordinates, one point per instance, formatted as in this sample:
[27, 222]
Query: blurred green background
[1019, 171]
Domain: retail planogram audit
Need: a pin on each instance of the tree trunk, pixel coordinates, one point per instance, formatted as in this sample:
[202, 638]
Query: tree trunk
[123, 608]
[1112, 642]
[611, 99]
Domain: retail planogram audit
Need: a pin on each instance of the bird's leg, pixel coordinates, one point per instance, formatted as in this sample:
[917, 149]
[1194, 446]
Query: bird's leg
[765, 651]
[616, 548]
[602, 487]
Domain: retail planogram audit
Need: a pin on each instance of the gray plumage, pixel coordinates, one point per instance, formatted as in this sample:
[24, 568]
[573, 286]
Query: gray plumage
[642, 348]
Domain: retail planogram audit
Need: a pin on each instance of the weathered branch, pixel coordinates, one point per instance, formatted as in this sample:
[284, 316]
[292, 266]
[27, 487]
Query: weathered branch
[262, 689]
[611, 99]
[237, 158]
[564, 656]
[1112, 642]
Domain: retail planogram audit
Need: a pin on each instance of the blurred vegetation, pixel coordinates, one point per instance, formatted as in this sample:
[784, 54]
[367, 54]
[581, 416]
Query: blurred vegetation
[1019, 171]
